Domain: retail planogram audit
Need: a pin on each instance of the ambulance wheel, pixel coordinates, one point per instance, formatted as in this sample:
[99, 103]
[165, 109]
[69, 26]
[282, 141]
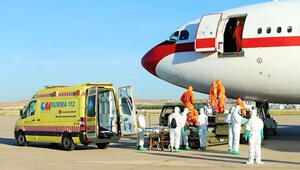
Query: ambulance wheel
[21, 139]
[102, 145]
[68, 143]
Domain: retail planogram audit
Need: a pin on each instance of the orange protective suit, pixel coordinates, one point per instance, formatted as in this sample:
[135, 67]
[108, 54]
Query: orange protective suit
[213, 96]
[188, 99]
[243, 107]
[238, 36]
[221, 96]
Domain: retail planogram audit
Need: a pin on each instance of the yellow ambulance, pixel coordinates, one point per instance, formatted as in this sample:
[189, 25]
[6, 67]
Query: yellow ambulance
[70, 115]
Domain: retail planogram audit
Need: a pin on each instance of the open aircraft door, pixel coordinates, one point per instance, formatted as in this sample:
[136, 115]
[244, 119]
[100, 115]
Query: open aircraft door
[207, 33]
[127, 110]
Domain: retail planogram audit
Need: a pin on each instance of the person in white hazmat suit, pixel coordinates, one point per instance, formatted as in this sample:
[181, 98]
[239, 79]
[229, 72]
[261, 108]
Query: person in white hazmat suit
[184, 133]
[202, 128]
[175, 126]
[227, 119]
[236, 122]
[141, 131]
[255, 133]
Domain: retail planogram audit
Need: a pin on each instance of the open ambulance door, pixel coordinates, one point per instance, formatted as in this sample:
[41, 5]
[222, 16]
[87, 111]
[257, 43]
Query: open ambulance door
[127, 110]
[207, 33]
[91, 112]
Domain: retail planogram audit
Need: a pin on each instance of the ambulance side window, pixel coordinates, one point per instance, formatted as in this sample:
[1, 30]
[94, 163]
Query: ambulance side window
[30, 111]
[91, 106]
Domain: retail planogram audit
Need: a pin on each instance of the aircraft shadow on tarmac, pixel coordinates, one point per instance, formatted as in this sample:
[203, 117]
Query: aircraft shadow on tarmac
[13, 142]
[287, 139]
[218, 158]
[129, 143]
[8, 141]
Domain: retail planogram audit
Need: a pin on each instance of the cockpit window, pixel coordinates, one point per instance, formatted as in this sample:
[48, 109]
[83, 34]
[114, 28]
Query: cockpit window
[184, 35]
[174, 36]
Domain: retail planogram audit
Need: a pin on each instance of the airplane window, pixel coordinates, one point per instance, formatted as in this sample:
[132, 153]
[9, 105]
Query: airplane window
[184, 35]
[259, 30]
[289, 29]
[174, 36]
[279, 29]
[268, 30]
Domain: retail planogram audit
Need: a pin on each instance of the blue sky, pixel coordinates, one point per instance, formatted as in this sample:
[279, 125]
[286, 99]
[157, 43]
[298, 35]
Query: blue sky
[66, 42]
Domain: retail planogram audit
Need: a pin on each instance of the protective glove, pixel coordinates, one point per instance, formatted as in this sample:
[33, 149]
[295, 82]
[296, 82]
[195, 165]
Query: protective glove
[247, 133]
[144, 129]
[185, 128]
[244, 121]
[262, 134]
[182, 130]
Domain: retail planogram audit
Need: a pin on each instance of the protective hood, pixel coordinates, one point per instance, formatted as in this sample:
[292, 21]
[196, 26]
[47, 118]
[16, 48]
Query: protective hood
[177, 110]
[253, 113]
[185, 111]
[201, 111]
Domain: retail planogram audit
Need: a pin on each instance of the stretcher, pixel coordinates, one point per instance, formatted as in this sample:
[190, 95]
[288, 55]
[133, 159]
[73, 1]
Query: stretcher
[159, 138]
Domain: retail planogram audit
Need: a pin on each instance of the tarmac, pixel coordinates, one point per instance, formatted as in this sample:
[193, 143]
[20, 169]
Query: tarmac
[278, 152]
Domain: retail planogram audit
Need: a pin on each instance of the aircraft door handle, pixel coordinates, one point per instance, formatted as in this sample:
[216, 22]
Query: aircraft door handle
[33, 120]
[38, 119]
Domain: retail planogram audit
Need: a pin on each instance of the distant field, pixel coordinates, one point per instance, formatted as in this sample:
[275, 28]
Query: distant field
[285, 112]
[152, 107]
[9, 111]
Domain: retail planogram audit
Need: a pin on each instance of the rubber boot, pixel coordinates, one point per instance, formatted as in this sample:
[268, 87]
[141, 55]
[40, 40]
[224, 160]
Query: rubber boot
[187, 148]
[237, 153]
[143, 149]
[228, 151]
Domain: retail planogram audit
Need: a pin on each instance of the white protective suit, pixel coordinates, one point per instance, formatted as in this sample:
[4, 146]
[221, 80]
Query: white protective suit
[141, 129]
[236, 123]
[227, 119]
[255, 125]
[202, 122]
[184, 134]
[175, 133]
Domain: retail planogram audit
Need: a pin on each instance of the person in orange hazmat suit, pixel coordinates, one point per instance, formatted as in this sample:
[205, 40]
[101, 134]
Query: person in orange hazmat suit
[238, 36]
[221, 96]
[213, 96]
[188, 99]
[243, 107]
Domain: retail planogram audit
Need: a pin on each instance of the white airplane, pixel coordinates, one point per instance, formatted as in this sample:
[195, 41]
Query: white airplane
[265, 70]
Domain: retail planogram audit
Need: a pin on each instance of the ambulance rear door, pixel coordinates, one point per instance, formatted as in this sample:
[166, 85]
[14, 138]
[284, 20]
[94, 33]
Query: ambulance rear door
[91, 112]
[127, 110]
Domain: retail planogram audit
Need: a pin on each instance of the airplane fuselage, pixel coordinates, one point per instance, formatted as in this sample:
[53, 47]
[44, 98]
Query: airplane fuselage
[267, 68]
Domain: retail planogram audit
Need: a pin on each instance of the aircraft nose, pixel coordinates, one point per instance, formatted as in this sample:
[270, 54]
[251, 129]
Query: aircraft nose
[149, 61]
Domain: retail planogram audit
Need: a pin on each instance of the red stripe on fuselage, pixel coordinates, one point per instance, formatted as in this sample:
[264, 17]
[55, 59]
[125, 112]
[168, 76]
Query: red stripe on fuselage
[205, 43]
[270, 42]
[156, 54]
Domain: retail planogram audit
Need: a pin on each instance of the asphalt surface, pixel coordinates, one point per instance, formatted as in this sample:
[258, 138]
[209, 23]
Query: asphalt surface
[278, 152]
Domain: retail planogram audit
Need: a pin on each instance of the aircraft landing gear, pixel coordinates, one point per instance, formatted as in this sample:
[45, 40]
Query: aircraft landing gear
[270, 125]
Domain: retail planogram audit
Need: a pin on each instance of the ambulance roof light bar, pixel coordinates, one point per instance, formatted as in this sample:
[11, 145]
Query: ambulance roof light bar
[98, 84]
[54, 86]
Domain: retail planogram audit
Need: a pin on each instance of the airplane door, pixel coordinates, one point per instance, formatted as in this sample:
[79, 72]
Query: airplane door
[207, 33]
[127, 110]
[91, 110]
